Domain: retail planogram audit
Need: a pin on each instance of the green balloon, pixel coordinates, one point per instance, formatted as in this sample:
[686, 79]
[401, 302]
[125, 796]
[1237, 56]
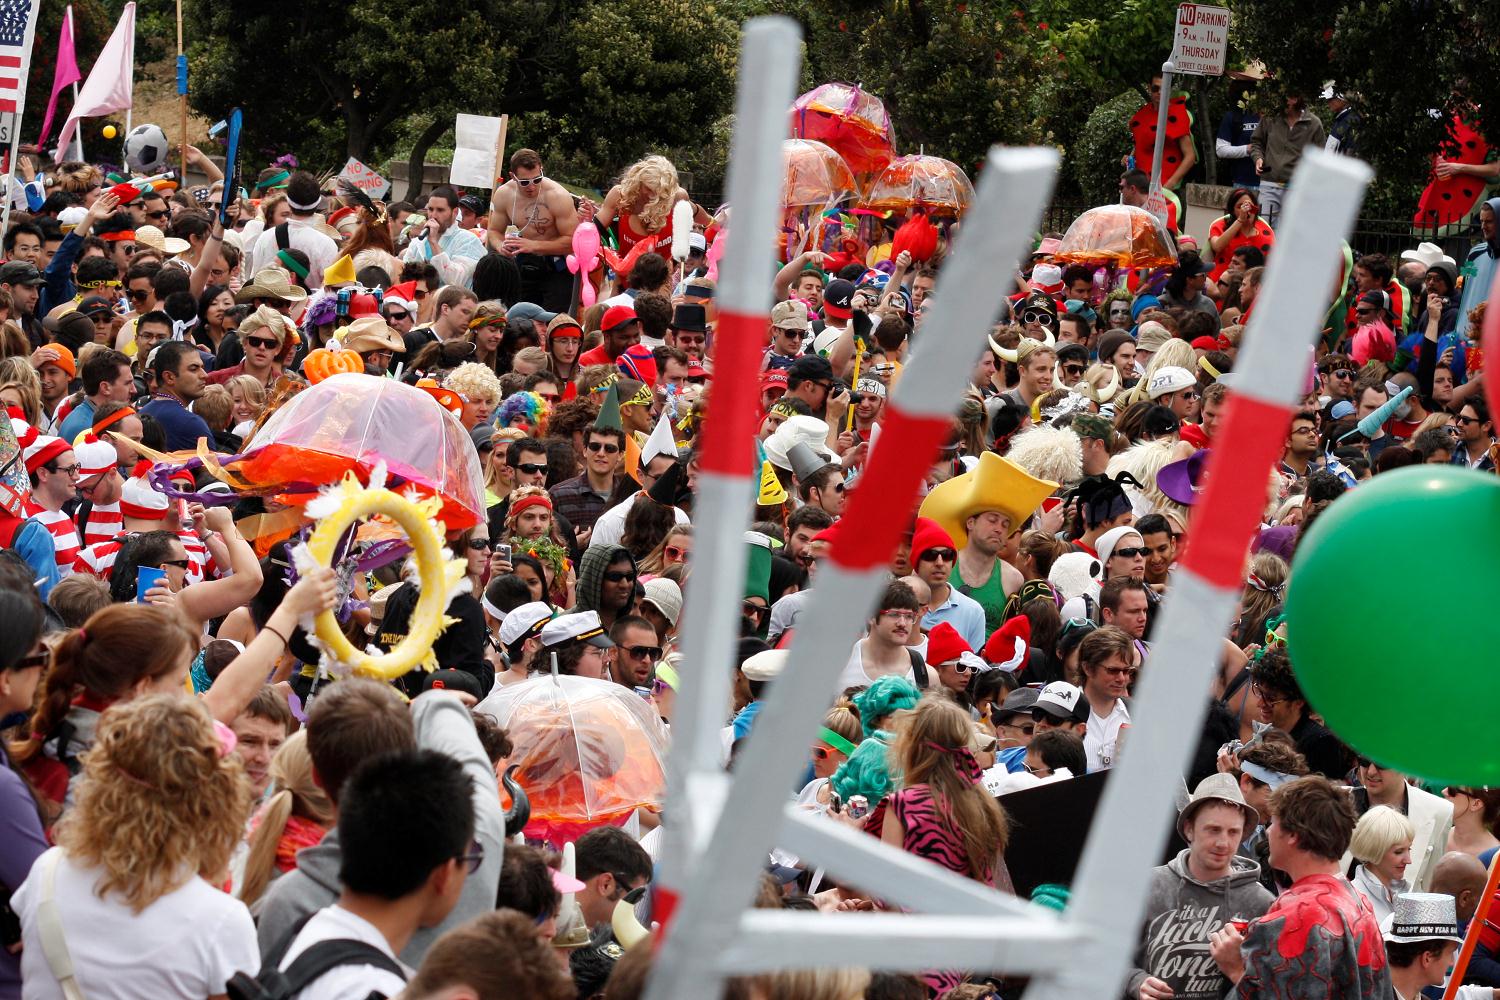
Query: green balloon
[1393, 612]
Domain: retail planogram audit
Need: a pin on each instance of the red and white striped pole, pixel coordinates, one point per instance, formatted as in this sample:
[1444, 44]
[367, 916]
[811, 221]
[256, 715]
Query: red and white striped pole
[1014, 188]
[770, 56]
[1110, 889]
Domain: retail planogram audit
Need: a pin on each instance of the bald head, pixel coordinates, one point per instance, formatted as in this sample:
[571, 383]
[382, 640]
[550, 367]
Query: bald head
[1461, 876]
[919, 587]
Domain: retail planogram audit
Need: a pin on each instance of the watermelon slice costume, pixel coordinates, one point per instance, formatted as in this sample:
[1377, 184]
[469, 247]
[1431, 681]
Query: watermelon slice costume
[1446, 205]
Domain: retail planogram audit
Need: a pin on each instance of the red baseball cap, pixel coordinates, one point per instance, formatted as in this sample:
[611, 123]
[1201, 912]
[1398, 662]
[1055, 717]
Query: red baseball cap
[617, 316]
[1206, 343]
[773, 378]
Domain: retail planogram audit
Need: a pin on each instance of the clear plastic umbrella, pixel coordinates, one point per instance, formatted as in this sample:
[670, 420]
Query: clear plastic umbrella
[1118, 235]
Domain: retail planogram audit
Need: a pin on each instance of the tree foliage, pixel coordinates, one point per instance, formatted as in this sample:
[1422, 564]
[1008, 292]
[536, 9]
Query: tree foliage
[1108, 46]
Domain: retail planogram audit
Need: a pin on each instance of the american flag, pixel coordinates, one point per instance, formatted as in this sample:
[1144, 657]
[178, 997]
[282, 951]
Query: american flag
[13, 17]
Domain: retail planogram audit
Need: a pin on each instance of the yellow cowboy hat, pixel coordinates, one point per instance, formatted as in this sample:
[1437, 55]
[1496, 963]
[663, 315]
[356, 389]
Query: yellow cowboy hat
[994, 484]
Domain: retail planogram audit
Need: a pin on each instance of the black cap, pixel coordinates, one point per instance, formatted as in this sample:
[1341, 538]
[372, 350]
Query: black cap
[838, 298]
[453, 680]
[810, 368]
[690, 316]
[95, 305]
[20, 272]
[72, 324]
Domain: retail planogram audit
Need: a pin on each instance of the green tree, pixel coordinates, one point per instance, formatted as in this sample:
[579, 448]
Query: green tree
[1108, 47]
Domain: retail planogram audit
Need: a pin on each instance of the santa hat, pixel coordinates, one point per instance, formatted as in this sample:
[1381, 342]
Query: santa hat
[945, 644]
[139, 499]
[41, 449]
[1007, 646]
[404, 295]
[95, 457]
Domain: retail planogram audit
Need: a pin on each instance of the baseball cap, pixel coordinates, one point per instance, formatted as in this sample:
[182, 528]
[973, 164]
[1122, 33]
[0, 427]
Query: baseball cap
[20, 272]
[790, 315]
[531, 311]
[453, 680]
[95, 305]
[1170, 379]
[811, 368]
[1018, 702]
[838, 299]
[1062, 701]
[616, 317]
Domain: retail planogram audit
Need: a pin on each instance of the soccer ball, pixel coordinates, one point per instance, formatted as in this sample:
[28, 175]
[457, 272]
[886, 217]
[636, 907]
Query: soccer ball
[146, 149]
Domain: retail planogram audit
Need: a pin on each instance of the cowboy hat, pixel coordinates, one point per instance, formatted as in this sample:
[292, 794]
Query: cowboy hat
[371, 333]
[994, 484]
[150, 236]
[809, 430]
[1220, 789]
[271, 283]
[1427, 254]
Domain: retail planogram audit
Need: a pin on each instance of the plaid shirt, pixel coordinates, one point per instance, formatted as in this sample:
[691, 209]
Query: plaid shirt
[576, 500]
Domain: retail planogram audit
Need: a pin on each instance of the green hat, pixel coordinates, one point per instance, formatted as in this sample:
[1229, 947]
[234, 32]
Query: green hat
[1091, 425]
[758, 566]
[609, 410]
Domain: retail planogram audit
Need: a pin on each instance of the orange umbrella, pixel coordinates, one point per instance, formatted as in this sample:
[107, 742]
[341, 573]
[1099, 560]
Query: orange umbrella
[931, 182]
[851, 120]
[816, 176]
[1121, 235]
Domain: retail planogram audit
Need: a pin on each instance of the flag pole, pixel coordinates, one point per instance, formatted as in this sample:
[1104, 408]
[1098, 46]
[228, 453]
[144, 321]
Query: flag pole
[182, 92]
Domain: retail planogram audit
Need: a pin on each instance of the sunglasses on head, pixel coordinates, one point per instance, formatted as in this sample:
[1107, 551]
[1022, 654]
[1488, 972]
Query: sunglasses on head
[608, 447]
[619, 576]
[530, 469]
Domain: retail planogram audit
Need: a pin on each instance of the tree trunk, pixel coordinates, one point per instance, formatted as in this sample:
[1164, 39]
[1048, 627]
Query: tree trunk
[424, 142]
[1208, 159]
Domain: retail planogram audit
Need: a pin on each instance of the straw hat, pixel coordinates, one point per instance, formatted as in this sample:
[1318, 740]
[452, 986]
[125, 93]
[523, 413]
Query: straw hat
[150, 236]
[271, 283]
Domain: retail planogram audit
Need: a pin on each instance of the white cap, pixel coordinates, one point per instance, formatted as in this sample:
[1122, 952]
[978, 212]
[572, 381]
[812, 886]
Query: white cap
[1170, 379]
[523, 621]
[764, 666]
[1061, 701]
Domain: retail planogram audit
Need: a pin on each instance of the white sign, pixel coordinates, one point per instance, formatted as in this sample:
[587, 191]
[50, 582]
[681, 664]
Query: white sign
[1156, 204]
[365, 179]
[1201, 40]
[476, 150]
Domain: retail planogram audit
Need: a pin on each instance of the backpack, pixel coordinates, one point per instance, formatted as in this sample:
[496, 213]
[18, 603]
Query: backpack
[323, 957]
[918, 669]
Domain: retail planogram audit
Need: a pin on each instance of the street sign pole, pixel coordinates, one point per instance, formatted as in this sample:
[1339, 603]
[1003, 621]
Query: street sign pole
[1163, 101]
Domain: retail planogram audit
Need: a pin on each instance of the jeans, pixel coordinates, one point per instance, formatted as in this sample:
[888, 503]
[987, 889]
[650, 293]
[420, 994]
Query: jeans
[1271, 194]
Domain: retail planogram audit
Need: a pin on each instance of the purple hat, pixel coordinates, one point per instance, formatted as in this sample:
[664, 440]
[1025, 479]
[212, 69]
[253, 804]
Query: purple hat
[1181, 481]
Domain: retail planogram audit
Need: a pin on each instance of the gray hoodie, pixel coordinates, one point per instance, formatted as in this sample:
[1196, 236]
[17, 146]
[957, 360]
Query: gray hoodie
[1180, 915]
[441, 723]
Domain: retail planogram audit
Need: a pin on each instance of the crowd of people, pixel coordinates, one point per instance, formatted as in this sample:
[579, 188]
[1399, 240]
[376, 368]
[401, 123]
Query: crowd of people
[197, 805]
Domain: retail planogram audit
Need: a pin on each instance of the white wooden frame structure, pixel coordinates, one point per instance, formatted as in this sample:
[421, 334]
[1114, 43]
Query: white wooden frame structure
[719, 830]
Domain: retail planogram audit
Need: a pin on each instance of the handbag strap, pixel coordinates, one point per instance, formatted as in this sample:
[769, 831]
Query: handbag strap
[49, 925]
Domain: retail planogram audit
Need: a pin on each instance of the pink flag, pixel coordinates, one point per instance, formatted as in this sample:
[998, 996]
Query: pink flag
[67, 71]
[109, 85]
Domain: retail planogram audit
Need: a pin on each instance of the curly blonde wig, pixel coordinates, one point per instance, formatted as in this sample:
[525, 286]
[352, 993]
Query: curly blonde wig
[1053, 453]
[1144, 461]
[655, 180]
[159, 804]
[475, 381]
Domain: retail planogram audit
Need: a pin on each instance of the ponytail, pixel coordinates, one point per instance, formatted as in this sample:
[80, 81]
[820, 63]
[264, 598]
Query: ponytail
[260, 866]
[56, 697]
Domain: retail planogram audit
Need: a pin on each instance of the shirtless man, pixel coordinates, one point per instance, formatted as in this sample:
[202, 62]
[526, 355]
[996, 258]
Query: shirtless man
[543, 211]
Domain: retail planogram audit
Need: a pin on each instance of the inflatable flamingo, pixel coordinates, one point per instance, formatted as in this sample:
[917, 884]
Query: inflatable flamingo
[584, 258]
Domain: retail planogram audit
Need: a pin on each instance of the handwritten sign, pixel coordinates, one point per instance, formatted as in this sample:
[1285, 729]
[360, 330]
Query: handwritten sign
[364, 178]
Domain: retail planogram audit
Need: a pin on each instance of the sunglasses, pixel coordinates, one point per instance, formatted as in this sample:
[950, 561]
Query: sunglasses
[1133, 551]
[473, 857]
[1461, 419]
[791, 334]
[608, 447]
[421, 294]
[1073, 371]
[675, 554]
[1342, 373]
[1026, 728]
[1119, 671]
[398, 314]
[822, 753]
[163, 214]
[136, 295]
[962, 667]
[643, 652]
[480, 545]
[619, 576]
[530, 469]
[755, 610]
[263, 342]
[1272, 639]
[181, 564]
[34, 660]
[526, 182]
[128, 249]
[935, 555]
[1037, 316]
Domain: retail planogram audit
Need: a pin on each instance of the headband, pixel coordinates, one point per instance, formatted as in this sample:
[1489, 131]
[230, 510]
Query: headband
[102, 283]
[534, 500]
[291, 264]
[784, 410]
[493, 611]
[479, 321]
[1256, 583]
[667, 674]
[117, 235]
[830, 737]
[608, 381]
[101, 425]
[1265, 775]
[272, 181]
[642, 397]
[305, 207]
[963, 760]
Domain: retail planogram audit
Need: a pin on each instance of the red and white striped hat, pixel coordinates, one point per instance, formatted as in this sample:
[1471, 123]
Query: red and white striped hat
[140, 499]
[95, 457]
[41, 449]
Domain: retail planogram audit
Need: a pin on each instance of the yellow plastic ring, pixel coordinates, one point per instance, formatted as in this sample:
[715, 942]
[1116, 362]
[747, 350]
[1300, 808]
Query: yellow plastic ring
[427, 619]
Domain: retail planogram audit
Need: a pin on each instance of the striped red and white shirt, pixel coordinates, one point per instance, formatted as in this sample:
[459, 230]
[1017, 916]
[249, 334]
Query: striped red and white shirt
[104, 524]
[64, 534]
[98, 559]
